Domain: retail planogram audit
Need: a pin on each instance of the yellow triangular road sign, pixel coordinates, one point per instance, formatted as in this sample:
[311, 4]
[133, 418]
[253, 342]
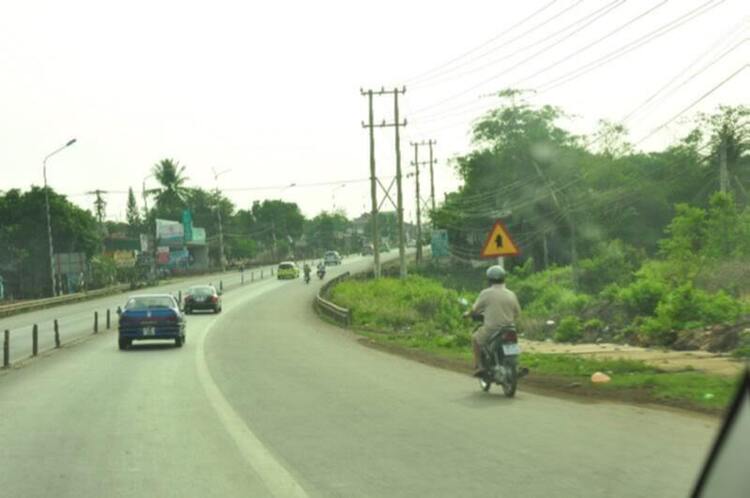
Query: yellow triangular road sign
[499, 243]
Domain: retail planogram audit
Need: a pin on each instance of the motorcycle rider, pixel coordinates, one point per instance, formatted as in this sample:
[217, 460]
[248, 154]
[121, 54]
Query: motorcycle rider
[321, 268]
[499, 308]
[306, 269]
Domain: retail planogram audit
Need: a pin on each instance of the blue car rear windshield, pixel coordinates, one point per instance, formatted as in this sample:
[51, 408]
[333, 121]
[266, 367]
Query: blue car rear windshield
[143, 303]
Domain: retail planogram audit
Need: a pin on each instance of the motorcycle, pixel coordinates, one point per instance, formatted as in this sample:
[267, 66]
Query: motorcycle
[307, 278]
[321, 274]
[499, 359]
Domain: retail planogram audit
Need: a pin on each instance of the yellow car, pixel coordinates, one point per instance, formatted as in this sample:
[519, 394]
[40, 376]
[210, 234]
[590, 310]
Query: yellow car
[287, 270]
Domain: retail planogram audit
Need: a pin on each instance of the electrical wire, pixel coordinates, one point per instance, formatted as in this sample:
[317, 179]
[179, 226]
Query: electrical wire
[597, 14]
[630, 46]
[421, 77]
[692, 104]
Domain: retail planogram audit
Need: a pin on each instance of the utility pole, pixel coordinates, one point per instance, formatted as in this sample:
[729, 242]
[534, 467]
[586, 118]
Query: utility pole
[373, 188]
[430, 143]
[723, 173]
[416, 165]
[374, 181]
[399, 191]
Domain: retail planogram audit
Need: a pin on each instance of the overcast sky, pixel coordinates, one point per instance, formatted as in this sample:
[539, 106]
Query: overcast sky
[270, 90]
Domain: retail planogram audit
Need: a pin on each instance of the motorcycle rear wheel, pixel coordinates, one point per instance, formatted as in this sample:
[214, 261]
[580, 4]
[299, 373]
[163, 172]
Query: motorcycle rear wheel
[509, 387]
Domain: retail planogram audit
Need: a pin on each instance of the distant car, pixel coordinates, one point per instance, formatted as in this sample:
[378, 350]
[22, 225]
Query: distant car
[151, 317]
[287, 270]
[368, 250]
[332, 258]
[202, 297]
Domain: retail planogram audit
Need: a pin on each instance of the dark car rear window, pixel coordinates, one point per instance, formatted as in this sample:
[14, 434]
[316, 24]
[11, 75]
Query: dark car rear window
[286, 266]
[142, 303]
[201, 291]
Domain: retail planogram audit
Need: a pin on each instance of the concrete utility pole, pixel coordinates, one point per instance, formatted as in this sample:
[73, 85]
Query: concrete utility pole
[373, 189]
[374, 181]
[416, 165]
[430, 143]
[723, 173]
[399, 190]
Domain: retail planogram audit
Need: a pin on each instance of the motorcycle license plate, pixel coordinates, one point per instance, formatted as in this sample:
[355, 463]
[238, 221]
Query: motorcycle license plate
[511, 349]
[147, 331]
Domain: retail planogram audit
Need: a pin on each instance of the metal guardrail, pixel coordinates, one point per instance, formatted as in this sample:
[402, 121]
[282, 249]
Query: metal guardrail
[341, 315]
[36, 304]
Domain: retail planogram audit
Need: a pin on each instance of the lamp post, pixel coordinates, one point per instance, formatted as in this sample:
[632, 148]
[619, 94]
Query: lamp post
[218, 213]
[49, 221]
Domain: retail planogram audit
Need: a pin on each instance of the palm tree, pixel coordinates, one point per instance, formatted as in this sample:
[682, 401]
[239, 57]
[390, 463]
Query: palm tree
[173, 193]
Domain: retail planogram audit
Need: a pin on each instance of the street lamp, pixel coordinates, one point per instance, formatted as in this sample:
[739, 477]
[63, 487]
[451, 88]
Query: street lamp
[218, 213]
[49, 222]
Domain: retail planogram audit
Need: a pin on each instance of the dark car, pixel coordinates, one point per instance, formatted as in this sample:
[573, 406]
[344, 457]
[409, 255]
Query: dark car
[151, 317]
[202, 297]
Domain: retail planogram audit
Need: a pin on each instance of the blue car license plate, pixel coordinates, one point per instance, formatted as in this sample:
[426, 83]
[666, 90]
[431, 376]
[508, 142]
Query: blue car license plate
[511, 349]
[149, 331]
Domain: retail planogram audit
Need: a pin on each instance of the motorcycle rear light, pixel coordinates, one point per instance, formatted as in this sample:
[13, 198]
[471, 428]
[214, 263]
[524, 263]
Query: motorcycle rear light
[510, 336]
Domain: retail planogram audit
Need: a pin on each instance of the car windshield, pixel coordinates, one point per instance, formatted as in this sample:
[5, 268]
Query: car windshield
[196, 158]
[149, 302]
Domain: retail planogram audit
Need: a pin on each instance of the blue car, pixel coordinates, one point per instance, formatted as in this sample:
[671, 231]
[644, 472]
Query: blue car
[151, 317]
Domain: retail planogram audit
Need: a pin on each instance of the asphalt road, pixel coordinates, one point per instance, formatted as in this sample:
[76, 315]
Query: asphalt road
[76, 320]
[266, 400]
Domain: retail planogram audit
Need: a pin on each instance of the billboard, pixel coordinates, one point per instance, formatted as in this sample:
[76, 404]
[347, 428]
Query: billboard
[162, 255]
[169, 232]
[124, 259]
[179, 257]
[199, 236]
[69, 262]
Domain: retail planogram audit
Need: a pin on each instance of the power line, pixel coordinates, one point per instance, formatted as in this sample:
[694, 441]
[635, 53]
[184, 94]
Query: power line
[693, 104]
[601, 12]
[630, 46]
[421, 76]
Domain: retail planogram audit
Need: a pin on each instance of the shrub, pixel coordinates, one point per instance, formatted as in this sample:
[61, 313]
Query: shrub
[643, 296]
[569, 330]
[613, 262]
[593, 325]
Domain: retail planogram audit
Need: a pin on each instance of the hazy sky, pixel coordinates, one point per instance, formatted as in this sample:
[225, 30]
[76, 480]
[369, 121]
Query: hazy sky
[270, 90]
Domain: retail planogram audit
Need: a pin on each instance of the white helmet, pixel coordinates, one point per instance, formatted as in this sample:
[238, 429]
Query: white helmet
[495, 272]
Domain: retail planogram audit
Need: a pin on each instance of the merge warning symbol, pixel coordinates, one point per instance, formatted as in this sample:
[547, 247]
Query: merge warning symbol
[499, 243]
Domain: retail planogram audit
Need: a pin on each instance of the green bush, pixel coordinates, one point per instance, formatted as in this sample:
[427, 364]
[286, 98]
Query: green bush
[593, 325]
[643, 296]
[569, 330]
[613, 262]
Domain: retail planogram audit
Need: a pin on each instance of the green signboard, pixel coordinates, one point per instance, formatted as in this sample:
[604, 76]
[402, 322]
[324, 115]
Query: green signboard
[187, 224]
[439, 244]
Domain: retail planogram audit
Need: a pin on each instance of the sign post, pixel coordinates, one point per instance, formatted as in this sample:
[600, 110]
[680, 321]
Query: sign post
[499, 244]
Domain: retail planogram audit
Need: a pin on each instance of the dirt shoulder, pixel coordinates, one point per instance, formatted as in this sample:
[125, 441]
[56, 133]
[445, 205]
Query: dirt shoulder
[663, 359]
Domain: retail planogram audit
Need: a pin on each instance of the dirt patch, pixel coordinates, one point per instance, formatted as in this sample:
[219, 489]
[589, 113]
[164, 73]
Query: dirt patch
[671, 361]
[550, 385]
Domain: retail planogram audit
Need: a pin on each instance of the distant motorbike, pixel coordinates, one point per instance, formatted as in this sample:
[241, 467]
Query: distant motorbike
[321, 273]
[307, 278]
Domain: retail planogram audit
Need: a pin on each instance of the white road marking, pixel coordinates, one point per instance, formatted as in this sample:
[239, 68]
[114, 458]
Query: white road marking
[277, 479]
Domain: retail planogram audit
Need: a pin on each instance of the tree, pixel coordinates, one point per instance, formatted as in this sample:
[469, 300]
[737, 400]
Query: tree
[277, 224]
[24, 260]
[172, 195]
[132, 214]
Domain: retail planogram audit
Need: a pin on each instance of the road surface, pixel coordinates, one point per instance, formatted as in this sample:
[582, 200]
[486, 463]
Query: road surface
[266, 400]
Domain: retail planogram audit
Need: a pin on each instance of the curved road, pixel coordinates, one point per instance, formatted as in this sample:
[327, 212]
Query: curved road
[266, 400]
